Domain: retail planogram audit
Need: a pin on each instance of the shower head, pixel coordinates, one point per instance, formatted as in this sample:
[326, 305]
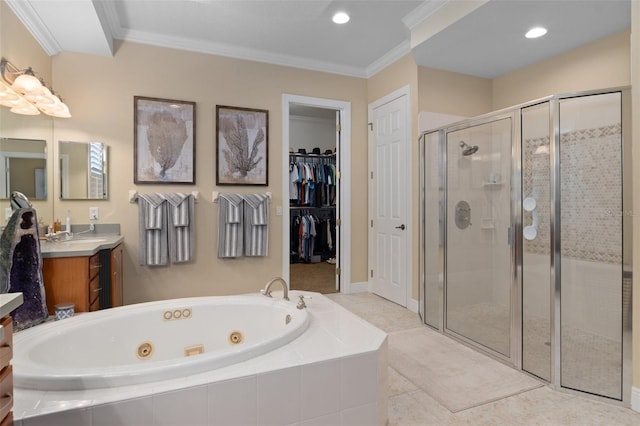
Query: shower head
[468, 149]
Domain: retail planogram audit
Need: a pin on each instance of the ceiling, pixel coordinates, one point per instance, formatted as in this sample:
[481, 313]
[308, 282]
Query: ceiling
[480, 37]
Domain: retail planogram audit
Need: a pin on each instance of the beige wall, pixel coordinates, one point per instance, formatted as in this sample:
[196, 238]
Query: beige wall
[598, 65]
[19, 47]
[452, 93]
[100, 91]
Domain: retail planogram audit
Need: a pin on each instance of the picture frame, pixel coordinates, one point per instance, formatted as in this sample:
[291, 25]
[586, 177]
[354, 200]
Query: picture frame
[242, 146]
[164, 141]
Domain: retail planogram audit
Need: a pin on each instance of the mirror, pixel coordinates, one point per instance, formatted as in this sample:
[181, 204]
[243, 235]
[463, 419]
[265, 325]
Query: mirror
[83, 170]
[30, 128]
[23, 168]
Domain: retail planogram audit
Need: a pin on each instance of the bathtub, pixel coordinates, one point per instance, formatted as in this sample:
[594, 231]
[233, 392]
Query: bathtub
[153, 341]
[333, 373]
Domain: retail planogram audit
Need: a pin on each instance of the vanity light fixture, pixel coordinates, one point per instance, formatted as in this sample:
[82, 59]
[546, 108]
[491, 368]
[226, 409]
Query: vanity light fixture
[536, 32]
[25, 94]
[341, 18]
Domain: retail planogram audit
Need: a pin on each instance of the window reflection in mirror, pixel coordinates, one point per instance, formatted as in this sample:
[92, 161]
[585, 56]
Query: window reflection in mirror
[23, 168]
[83, 170]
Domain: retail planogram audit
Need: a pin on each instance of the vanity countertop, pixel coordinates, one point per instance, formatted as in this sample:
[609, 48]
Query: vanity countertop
[8, 302]
[81, 245]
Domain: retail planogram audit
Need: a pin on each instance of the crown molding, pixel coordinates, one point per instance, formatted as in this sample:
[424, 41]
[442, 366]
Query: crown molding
[226, 50]
[105, 12]
[422, 12]
[221, 49]
[389, 58]
[30, 19]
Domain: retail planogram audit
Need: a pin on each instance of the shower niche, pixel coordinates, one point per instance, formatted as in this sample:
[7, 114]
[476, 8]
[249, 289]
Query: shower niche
[540, 276]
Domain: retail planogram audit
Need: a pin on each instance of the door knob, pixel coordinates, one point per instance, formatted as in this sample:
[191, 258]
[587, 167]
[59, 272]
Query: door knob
[401, 227]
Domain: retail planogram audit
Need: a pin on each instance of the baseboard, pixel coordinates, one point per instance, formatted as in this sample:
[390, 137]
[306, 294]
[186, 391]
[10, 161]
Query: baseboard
[413, 306]
[635, 399]
[360, 287]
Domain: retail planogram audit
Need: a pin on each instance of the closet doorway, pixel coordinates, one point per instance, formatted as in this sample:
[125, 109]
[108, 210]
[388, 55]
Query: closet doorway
[313, 223]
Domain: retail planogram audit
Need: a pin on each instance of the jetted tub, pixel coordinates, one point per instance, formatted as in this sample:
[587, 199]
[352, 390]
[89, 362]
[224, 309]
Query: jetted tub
[152, 341]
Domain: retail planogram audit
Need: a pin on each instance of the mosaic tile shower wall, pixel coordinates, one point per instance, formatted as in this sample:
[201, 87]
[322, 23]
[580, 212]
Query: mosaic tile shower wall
[590, 163]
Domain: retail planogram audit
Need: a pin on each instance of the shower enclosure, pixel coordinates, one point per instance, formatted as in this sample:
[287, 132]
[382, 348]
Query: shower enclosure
[526, 238]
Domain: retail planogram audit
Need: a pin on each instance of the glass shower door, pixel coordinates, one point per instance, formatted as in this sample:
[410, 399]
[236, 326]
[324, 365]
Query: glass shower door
[478, 259]
[591, 235]
[536, 242]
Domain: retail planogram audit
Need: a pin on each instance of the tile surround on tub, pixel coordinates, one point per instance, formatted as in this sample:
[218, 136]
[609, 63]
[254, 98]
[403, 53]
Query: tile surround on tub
[181, 407]
[138, 411]
[228, 402]
[329, 375]
[279, 397]
[320, 389]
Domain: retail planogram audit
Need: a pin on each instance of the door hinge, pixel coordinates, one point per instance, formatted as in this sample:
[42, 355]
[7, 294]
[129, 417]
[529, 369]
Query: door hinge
[370, 126]
[372, 273]
[338, 222]
[338, 174]
[372, 223]
[338, 128]
[371, 175]
[338, 271]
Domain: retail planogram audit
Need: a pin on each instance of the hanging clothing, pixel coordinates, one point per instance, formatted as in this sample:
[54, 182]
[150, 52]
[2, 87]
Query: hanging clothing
[312, 181]
[310, 235]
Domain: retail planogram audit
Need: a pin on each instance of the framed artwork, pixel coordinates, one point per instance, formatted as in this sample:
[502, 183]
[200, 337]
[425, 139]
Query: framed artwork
[164, 141]
[242, 146]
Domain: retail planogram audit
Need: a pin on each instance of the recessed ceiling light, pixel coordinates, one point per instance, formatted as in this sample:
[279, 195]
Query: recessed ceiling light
[341, 18]
[536, 32]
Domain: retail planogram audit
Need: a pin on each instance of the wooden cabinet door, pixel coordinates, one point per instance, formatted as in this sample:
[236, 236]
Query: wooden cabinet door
[66, 280]
[117, 279]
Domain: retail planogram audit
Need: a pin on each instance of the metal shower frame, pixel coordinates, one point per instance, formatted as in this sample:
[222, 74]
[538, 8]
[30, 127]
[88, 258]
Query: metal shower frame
[514, 113]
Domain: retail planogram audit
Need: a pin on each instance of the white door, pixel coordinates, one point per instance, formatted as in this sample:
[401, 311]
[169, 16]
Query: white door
[343, 232]
[390, 191]
[338, 219]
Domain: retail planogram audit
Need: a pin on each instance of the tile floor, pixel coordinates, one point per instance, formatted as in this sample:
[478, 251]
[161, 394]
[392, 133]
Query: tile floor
[409, 405]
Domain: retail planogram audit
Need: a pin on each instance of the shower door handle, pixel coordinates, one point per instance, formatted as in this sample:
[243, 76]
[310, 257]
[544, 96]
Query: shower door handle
[401, 227]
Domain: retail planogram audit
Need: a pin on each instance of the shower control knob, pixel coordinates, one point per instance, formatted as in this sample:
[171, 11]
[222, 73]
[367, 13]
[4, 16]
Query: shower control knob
[401, 227]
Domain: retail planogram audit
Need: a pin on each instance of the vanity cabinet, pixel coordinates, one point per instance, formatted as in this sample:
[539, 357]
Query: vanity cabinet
[6, 372]
[72, 280]
[89, 282]
[117, 277]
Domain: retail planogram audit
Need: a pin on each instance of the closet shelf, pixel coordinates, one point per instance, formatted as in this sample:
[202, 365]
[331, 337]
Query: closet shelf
[311, 207]
[294, 154]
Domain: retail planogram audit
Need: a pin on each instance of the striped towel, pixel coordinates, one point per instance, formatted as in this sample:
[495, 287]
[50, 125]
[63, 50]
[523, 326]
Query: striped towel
[181, 226]
[256, 225]
[229, 225]
[152, 230]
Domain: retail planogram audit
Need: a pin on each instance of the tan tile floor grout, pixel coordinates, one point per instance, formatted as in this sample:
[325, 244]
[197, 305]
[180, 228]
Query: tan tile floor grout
[411, 406]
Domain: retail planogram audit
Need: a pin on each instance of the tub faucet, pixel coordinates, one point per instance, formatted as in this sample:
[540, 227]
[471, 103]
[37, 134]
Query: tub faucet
[285, 289]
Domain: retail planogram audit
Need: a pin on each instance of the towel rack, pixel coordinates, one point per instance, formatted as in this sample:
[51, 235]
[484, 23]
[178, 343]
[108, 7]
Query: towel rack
[133, 195]
[216, 194]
